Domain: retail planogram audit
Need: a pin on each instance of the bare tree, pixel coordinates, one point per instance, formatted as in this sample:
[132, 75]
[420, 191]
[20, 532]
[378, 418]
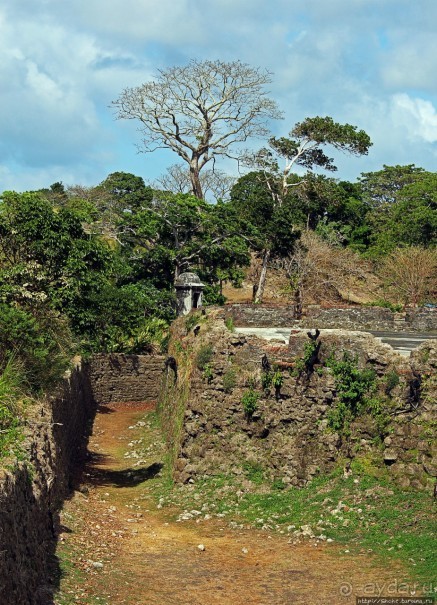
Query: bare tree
[410, 274]
[200, 111]
[213, 181]
[318, 270]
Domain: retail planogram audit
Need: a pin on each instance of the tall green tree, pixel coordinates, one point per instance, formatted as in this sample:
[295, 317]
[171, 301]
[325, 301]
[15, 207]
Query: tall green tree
[402, 202]
[179, 232]
[47, 259]
[381, 188]
[305, 147]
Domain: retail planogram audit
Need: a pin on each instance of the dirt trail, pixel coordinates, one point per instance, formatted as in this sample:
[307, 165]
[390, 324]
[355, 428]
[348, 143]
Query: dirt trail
[125, 550]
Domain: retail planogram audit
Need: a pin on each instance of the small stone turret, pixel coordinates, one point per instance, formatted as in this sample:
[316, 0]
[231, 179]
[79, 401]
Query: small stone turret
[189, 290]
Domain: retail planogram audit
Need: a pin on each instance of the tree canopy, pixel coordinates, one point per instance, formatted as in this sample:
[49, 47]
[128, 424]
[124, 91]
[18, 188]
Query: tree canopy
[304, 147]
[200, 111]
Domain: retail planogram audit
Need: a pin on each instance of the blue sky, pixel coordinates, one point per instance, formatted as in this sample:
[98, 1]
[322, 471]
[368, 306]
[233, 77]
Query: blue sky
[372, 63]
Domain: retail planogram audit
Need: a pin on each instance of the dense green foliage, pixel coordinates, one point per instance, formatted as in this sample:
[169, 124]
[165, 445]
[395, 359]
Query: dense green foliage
[87, 269]
[101, 261]
[352, 385]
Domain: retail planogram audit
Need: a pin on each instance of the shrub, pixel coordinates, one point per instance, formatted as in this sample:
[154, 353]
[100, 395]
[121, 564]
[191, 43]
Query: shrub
[385, 304]
[151, 336]
[352, 384]
[204, 356]
[208, 374]
[249, 401]
[191, 321]
[229, 323]
[12, 399]
[277, 379]
[41, 345]
[266, 380]
[391, 381]
[305, 363]
[229, 381]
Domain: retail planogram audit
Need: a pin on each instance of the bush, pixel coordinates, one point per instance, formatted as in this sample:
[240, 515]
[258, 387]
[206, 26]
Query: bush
[391, 381]
[385, 304]
[191, 321]
[250, 402]
[277, 379]
[204, 356]
[208, 374]
[41, 345]
[150, 336]
[229, 381]
[229, 323]
[12, 399]
[266, 380]
[352, 384]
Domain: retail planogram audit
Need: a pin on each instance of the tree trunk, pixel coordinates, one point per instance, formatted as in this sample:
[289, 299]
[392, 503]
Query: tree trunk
[262, 278]
[196, 186]
[298, 301]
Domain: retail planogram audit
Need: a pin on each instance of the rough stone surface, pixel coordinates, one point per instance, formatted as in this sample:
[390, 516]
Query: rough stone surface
[31, 494]
[422, 320]
[355, 318]
[266, 315]
[119, 378]
[287, 435]
[348, 318]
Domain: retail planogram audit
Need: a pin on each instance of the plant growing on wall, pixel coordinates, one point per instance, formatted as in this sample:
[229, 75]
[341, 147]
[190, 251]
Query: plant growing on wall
[277, 381]
[204, 356]
[229, 381]
[207, 374]
[249, 401]
[266, 380]
[352, 386]
[310, 355]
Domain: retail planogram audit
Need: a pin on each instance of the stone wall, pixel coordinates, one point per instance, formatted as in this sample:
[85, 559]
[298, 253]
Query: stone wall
[377, 319]
[32, 493]
[288, 435]
[422, 320]
[266, 315]
[355, 318]
[125, 378]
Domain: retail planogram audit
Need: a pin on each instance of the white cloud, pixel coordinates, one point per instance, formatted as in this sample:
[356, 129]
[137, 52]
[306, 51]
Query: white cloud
[417, 116]
[367, 62]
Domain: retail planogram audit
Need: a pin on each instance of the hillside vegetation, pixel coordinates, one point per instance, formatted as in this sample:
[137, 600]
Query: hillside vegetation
[86, 269]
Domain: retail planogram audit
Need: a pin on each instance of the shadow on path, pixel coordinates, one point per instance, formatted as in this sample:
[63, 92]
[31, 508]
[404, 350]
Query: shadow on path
[128, 477]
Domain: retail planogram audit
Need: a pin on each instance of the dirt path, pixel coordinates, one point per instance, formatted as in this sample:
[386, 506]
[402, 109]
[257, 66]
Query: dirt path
[125, 550]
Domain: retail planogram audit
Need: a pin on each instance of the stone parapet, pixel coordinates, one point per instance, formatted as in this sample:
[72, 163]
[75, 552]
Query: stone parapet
[375, 319]
[117, 377]
[248, 314]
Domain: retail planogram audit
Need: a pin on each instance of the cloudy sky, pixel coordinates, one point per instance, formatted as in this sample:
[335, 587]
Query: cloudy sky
[372, 63]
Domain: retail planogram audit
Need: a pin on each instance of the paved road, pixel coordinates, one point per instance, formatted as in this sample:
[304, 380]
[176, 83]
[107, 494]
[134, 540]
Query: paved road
[403, 343]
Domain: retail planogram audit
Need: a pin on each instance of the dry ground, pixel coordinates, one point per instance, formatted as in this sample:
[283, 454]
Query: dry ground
[118, 547]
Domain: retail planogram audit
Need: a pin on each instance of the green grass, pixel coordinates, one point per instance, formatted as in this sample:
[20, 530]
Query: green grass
[375, 516]
[379, 517]
[12, 405]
